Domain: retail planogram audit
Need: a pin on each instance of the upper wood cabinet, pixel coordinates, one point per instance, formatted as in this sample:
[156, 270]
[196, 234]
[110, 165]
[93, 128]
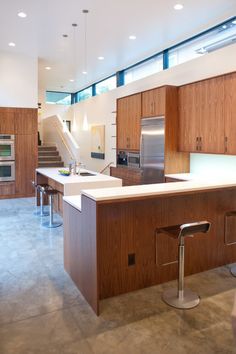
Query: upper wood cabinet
[128, 122]
[7, 121]
[153, 102]
[201, 116]
[26, 121]
[18, 120]
[230, 114]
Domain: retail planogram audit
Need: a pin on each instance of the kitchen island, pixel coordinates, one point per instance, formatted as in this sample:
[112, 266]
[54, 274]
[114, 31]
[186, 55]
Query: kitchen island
[111, 244]
[73, 184]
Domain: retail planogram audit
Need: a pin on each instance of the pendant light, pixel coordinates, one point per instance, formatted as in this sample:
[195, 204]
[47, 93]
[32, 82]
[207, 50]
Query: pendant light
[85, 12]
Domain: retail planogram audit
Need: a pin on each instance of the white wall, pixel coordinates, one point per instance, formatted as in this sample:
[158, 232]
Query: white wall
[18, 80]
[48, 110]
[99, 108]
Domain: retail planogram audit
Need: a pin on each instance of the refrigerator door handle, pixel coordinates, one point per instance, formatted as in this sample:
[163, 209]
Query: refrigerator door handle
[141, 151]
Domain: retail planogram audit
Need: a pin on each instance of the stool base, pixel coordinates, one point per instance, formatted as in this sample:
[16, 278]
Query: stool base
[51, 225]
[233, 270]
[38, 213]
[189, 300]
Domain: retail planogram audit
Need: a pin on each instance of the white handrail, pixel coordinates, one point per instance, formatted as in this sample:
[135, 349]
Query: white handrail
[64, 142]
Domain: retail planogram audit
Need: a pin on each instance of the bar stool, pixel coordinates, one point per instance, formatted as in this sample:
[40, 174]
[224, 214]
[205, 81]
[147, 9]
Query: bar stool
[50, 193]
[40, 188]
[183, 298]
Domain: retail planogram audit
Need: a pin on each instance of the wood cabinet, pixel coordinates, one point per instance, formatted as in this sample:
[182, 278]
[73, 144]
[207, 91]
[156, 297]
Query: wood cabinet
[207, 116]
[129, 176]
[26, 121]
[26, 163]
[129, 115]
[128, 122]
[230, 113]
[201, 113]
[7, 121]
[153, 102]
[22, 122]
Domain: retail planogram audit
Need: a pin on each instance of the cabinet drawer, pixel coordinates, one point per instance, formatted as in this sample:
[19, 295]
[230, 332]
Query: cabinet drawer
[128, 175]
[7, 188]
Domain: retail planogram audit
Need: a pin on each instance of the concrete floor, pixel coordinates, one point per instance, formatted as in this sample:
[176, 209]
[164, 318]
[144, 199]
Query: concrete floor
[41, 311]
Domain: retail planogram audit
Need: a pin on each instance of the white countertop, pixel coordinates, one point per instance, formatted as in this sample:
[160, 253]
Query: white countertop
[73, 184]
[185, 176]
[74, 200]
[197, 183]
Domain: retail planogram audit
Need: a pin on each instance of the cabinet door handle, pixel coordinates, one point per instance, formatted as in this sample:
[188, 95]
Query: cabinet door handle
[197, 143]
[200, 143]
[226, 144]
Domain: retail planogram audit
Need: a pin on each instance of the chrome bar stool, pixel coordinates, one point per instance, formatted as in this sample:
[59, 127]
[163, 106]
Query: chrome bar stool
[39, 188]
[183, 298]
[51, 193]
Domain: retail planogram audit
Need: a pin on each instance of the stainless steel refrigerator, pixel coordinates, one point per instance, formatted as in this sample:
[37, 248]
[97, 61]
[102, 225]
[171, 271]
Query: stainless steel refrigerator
[152, 149]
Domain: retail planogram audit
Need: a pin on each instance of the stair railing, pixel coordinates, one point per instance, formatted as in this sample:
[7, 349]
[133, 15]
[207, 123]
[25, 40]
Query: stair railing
[107, 166]
[72, 157]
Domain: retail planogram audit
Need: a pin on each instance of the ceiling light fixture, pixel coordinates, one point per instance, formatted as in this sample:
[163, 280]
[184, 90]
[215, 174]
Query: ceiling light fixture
[132, 37]
[11, 44]
[72, 80]
[178, 6]
[85, 12]
[84, 72]
[48, 67]
[22, 14]
[101, 58]
[65, 35]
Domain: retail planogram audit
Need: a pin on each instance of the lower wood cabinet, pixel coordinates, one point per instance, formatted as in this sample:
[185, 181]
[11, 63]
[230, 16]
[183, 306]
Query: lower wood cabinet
[129, 176]
[26, 162]
[7, 188]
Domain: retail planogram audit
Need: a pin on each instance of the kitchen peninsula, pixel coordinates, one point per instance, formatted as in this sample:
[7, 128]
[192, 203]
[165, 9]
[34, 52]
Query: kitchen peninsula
[110, 241]
[73, 184]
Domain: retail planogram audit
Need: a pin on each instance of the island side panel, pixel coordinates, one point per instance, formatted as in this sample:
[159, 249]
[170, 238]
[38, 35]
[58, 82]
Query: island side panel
[80, 252]
[128, 229]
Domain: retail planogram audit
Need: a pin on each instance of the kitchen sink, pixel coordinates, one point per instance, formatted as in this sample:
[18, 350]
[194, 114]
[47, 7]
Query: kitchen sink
[86, 174]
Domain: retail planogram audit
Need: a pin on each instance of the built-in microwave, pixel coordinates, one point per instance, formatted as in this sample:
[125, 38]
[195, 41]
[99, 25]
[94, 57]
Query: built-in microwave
[122, 158]
[7, 171]
[7, 147]
[134, 159]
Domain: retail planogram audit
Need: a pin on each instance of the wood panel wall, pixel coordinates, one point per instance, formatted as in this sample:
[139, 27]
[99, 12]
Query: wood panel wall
[23, 123]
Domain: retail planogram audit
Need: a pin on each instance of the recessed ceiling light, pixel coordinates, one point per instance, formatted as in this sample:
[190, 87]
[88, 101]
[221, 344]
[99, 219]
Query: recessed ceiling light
[22, 14]
[11, 44]
[132, 37]
[65, 35]
[84, 72]
[178, 7]
[72, 80]
[48, 67]
[100, 58]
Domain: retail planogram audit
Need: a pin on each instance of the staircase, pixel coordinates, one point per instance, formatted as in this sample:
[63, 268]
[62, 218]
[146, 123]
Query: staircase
[48, 156]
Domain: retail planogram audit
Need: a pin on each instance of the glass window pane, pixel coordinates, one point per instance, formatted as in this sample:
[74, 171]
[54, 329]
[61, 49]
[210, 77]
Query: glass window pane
[84, 94]
[58, 98]
[213, 40]
[145, 69]
[106, 85]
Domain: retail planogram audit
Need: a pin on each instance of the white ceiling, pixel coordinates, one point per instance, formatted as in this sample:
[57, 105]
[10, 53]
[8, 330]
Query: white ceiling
[109, 23]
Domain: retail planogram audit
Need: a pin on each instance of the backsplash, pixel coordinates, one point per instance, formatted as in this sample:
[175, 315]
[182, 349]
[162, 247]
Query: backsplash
[212, 164]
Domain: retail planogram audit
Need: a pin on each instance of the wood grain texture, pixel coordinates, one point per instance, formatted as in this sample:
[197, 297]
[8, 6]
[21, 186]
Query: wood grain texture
[128, 122]
[26, 147]
[26, 121]
[7, 121]
[153, 102]
[229, 114]
[129, 176]
[7, 188]
[80, 249]
[129, 227]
